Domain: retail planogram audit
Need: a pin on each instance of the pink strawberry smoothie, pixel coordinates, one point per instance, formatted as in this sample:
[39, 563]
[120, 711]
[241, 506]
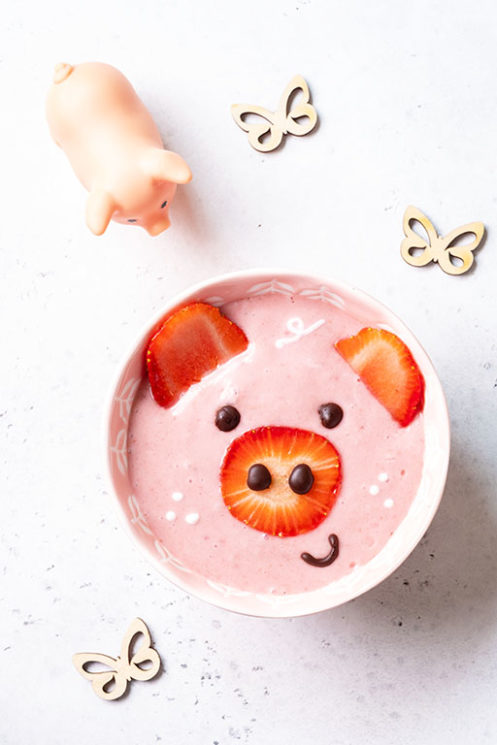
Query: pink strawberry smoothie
[288, 371]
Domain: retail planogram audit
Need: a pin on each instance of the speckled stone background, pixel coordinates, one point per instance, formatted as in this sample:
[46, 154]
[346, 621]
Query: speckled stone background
[408, 109]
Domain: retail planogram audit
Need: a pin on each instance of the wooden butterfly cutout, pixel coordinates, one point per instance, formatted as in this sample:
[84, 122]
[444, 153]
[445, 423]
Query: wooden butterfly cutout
[112, 683]
[439, 248]
[280, 122]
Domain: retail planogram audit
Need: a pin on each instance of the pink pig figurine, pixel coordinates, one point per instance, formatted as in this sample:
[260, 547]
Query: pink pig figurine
[114, 147]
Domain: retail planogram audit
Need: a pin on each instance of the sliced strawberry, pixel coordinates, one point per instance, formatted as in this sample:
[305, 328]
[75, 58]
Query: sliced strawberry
[278, 509]
[387, 367]
[190, 343]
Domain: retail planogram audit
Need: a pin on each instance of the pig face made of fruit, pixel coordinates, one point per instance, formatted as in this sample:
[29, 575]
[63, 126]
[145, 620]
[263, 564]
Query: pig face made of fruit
[264, 433]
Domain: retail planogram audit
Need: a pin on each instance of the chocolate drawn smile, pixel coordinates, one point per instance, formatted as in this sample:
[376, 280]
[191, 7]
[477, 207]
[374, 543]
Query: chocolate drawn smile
[325, 561]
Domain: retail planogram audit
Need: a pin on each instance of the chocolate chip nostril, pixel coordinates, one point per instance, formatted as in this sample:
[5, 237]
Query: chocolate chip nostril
[258, 477]
[301, 479]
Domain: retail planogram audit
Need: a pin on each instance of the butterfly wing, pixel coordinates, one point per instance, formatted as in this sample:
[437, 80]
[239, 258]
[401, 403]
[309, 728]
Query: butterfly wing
[303, 110]
[108, 684]
[413, 240]
[144, 653]
[258, 130]
[462, 252]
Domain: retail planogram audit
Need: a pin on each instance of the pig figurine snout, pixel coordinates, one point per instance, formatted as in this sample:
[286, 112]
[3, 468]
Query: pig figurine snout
[114, 147]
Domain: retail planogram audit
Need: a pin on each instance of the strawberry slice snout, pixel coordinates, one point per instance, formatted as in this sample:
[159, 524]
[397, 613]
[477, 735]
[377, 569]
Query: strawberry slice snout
[279, 480]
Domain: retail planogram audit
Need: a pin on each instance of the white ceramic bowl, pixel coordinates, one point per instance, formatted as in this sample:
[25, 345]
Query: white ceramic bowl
[235, 286]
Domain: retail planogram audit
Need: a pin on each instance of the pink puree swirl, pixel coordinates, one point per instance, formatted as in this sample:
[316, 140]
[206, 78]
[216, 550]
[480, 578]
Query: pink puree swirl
[175, 454]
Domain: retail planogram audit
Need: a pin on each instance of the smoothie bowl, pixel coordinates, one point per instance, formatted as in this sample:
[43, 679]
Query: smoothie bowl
[277, 443]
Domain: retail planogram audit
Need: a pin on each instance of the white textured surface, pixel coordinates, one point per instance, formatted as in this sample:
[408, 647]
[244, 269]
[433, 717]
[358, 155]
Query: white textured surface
[406, 97]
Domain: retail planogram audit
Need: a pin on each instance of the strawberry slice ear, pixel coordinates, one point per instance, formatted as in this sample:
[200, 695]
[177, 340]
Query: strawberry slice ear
[387, 368]
[188, 344]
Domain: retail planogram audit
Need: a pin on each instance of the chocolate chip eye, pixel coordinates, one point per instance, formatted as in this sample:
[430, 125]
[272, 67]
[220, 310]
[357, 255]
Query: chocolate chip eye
[132, 219]
[330, 414]
[163, 204]
[227, 418]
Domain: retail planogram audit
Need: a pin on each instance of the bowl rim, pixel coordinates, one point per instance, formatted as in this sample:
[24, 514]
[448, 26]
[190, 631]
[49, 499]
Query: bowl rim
[229, 602]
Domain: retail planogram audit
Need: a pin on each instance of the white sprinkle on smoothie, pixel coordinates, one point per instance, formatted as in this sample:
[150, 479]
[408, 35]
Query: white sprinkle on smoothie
[192, 518]
[177, 496]
[383, 477]
[374, 490]
[388, 503]
[170, 515]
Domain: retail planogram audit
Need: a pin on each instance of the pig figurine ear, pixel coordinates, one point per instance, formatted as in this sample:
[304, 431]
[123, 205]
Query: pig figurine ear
[100, 207]
[164, 165]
